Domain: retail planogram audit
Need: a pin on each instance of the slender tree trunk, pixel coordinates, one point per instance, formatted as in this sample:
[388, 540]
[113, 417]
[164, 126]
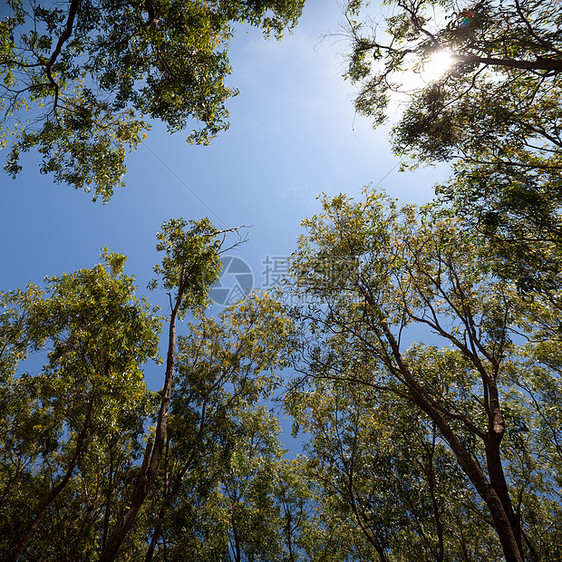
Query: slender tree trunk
[155, 536]
[83, 529]
[153, 454]
[503, 523]
[497, 481]
[431, 482]
[237, 551]
[289, 529]
[368, 535]
[496, 431]
[59, 487]
[169, 495]
[163, 508]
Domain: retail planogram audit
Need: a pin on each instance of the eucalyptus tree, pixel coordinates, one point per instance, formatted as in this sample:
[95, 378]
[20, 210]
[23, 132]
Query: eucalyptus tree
[89, 395]
[225, 367]
[92, 73]
[238, 519]
[386, 485]
[370, 275]
[82, 470]
[190, 266]
[493, 112]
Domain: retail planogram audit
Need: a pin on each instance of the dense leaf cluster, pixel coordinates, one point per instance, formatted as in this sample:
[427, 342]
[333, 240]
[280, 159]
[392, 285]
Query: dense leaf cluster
[94, 466]
[441, 449]
[82, 79]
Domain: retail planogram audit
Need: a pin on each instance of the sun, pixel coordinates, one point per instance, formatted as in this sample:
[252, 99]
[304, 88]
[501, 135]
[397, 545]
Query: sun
[436, 66]
[419, 75]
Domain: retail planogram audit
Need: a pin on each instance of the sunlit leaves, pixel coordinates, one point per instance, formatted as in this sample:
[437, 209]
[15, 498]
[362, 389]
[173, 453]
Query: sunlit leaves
[494, 113]
[457, 397]
[87, 400]
[73, 429]
[81, 80]
[191, 262]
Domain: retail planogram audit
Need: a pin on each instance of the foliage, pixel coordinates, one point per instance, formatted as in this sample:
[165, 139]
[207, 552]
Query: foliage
[83, 473]
[86, 403]
[191, 262]
[388, 421]
[494, 113]
[92, 73]
[389, 489]
[224, 367]
[189, 268]
[444, 449]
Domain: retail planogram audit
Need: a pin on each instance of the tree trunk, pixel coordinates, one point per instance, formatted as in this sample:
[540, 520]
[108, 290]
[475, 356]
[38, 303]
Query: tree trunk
[496, 430]
[153, 454]
[59, 487]
[503, 523]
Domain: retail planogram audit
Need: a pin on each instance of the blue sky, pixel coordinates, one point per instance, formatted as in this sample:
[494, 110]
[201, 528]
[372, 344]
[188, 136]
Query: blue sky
[293, 135]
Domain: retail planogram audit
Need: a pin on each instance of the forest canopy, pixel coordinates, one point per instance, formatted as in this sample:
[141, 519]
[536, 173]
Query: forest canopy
[419, 363]
[444, 446]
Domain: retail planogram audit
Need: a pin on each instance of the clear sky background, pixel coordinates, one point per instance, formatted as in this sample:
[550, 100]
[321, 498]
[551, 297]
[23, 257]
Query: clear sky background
[293, 135]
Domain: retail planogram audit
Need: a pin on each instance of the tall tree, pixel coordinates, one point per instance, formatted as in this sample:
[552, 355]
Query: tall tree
[370, 274]
[73, 476]
[95, 335]
[385, 484]
[93, 72]
[494, 113]
[190, 266]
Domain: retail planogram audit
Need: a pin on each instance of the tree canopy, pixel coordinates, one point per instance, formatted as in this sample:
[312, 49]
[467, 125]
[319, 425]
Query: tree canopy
[82, 79]
[409, 439]
[448, 447]
[420, 362]
[493, 113]
[93, 464]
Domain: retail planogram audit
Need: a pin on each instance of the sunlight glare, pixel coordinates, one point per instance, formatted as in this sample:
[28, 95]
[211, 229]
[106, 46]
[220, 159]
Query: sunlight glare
[436, 66]
[418, 76]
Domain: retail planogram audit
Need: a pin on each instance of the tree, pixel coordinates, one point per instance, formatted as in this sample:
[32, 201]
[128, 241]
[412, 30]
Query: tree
[89, 394]
[82, 471]
[190, 267]
[370, 274]
[386, 485]
[240, 519]
[493, 113]
[92, 73]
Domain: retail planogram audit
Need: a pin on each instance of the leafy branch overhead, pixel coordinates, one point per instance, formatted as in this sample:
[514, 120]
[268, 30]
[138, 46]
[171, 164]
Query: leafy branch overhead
[424, 343]
[494, 113]
[82, 79]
